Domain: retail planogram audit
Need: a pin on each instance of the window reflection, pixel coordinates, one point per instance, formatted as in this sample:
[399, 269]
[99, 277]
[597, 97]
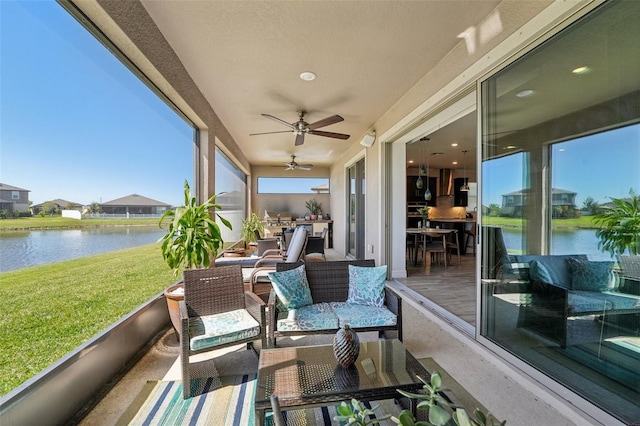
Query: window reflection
[556, 145]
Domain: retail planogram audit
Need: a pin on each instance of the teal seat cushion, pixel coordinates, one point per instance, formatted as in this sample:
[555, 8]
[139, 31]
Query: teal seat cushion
[588, 302]
[318, 316]
[292, 287]
[219, 329]
[357, 316]
[366, 285]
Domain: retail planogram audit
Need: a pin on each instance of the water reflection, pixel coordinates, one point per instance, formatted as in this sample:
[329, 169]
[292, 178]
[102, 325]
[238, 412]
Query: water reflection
[576, 241]
[23, 249]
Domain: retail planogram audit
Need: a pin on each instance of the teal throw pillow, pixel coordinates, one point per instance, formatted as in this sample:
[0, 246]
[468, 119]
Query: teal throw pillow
[539, 272]
[292, 287]
[591, 276]
[366, 285]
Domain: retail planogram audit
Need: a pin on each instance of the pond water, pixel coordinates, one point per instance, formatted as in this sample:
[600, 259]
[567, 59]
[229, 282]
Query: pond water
[23, 249]
[30, 248]
[575, 241]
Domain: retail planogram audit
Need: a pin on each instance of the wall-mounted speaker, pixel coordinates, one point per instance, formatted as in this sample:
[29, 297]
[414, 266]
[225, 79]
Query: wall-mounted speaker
[368, 139]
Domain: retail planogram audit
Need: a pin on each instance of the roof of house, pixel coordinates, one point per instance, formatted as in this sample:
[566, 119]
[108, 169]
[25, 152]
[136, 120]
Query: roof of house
[135, 200]
[5, 187]
[321, 188]
[60, 202]
[553, 191]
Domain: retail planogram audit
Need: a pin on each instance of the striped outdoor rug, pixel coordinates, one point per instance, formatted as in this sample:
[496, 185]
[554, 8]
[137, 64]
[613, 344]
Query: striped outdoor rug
[223, 401]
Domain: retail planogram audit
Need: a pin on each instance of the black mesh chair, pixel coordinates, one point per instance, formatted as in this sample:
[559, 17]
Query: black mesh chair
[316, 244]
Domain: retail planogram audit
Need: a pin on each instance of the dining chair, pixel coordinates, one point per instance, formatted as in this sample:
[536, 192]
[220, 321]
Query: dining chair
[471, 234]
[453, 244]
[411, 246]
[435, 246]
[316, 244]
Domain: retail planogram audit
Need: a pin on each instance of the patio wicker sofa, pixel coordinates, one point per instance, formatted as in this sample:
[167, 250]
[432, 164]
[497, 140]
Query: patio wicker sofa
[570, 286]
[329, 286]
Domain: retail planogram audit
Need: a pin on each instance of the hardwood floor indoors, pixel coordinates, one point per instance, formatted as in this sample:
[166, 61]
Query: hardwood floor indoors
[453, 287]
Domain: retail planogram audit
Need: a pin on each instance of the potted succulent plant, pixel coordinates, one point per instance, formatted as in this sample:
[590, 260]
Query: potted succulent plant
[314, 208]
[250, 226]
[193, 238]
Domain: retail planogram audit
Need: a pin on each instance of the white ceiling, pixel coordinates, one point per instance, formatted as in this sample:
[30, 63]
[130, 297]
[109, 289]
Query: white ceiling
[246, 58]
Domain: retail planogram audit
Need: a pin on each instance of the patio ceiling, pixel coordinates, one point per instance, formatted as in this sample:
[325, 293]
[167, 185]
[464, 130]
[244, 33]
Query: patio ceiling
[246, 58]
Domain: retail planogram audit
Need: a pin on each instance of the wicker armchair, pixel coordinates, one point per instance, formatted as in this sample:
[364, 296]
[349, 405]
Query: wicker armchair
[213, 299]
[630, 273]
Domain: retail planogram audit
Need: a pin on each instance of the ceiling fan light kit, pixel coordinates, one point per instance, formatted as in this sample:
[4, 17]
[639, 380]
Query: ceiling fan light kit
[292, 165]
[300, 128]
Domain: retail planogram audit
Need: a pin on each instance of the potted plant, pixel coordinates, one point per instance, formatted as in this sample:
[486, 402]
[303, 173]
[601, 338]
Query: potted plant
[250, 226]
[619, 225]
[314, 208]
[424, 212]
[192, 240]
[440, 410]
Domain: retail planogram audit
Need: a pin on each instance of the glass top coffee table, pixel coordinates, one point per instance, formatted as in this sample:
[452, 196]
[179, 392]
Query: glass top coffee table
[310, 376]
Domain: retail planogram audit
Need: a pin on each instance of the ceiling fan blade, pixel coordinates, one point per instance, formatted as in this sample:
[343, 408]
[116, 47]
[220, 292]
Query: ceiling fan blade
[325, 122]
[329, 134]
[278, 120]
[305, 166]
[299, 139]
[269, 133]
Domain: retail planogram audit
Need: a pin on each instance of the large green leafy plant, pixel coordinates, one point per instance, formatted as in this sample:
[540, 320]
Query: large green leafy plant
[619, 225]
[193, 237]
[249, 227]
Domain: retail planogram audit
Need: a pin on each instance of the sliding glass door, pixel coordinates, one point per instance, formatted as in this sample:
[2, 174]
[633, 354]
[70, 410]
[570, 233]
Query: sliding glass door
[560, 145]
[356, 211]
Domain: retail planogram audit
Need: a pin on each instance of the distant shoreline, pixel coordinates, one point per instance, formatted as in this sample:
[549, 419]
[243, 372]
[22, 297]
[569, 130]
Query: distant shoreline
[52, 223]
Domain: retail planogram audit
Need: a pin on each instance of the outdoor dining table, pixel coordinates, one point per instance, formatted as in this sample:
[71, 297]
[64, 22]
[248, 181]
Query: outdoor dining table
[428, 232]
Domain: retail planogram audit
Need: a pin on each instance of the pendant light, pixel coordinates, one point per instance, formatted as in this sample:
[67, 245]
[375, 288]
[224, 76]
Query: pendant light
[427, 192]
[465, 186]
[421, 170]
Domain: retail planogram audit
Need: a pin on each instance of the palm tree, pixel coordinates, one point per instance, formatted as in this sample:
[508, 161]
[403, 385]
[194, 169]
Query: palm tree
[619, 224]
[591, 205]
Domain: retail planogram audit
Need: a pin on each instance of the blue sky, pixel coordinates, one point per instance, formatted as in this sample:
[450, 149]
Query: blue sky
[81, 127]
[78, 127]
[600, 166]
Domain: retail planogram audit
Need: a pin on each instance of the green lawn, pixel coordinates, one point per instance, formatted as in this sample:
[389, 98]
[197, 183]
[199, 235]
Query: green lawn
[583, 222]
[49, 310]
[37, 222]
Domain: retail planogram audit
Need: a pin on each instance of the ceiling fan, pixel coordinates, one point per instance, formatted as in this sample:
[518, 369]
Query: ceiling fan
[292, 165]
[301, 127]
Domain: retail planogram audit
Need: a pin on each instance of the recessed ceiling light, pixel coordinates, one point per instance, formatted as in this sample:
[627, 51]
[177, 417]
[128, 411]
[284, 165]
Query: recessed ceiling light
[454, 144]
[410, 161]
[307, 76]
[510, 147]
[525, 93]
[455, 162]
[581, 70]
